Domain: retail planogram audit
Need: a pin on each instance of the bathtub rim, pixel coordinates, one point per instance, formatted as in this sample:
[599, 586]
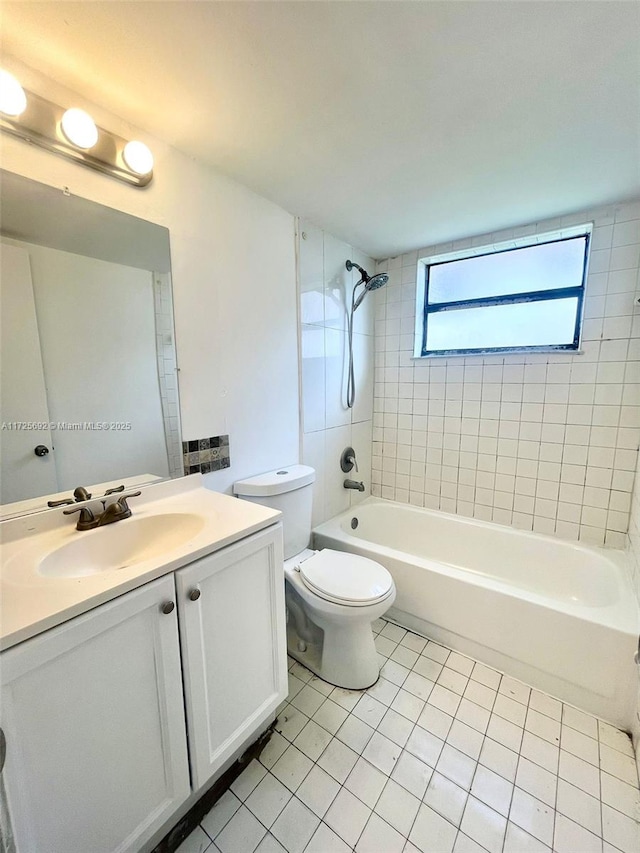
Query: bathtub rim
[622, 616]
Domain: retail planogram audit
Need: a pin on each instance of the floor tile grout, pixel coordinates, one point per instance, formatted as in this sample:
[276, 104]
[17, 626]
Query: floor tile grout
[464, 742]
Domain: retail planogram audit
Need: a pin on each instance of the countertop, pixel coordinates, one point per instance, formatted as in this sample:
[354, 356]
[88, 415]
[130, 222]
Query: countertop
[31, 603]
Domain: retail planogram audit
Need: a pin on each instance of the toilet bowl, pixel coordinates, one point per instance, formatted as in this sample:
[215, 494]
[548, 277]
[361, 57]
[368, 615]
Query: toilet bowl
[332, 596]
[332, 599]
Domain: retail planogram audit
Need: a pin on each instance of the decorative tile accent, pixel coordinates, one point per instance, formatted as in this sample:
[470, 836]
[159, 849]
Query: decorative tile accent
[204, 455]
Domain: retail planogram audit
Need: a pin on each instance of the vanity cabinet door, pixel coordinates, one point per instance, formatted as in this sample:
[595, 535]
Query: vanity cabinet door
[93, 716]
[234, 655]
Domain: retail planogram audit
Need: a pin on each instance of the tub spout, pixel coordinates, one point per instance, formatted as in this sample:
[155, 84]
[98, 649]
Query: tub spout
[353, 484]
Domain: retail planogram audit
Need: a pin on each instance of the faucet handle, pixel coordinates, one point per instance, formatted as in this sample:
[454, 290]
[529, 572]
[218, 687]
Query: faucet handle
[348, 460]
[61, 502]
[117, 510]
[122, 501]
[114, 490]
[87, 518]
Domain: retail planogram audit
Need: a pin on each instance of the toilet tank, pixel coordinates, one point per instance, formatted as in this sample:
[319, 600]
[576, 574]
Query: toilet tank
[289, 490]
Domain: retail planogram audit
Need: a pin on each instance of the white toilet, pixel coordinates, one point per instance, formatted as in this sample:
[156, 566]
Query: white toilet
[332, 596]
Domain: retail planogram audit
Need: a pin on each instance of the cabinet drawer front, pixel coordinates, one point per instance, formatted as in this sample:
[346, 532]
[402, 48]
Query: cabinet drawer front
[233, 646]
[93, 714]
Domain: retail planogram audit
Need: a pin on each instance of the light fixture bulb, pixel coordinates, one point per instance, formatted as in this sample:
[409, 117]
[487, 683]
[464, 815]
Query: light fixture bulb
[13, 100]
[138, 157]
[79, 128]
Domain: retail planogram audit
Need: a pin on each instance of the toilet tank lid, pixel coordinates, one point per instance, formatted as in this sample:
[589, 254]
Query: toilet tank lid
[277, 482]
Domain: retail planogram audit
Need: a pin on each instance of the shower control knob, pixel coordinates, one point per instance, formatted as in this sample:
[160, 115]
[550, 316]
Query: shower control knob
[194, 595]
[348, 460]
[41, 450]
[168, 607]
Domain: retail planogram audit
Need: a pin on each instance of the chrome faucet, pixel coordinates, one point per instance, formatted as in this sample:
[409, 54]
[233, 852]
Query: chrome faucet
[115, 511]
[353, 484]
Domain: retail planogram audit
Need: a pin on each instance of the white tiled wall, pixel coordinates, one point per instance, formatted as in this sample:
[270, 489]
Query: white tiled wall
[328, 426]
[167, 370]
[544, 442]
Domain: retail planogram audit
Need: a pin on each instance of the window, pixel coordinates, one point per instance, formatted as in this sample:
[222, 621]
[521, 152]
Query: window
[500, 299]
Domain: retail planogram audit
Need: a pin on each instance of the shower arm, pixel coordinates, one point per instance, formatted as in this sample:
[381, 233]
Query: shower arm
[363, 273]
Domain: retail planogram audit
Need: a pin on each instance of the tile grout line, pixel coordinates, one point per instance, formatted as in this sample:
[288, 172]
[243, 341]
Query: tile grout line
[386, 707]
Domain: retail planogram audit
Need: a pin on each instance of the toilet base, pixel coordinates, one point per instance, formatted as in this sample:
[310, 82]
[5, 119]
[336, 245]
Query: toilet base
[308, 654]
[312, 658]
[337, 646]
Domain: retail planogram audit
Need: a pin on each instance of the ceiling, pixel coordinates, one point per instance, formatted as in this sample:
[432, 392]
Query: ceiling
[390, 124]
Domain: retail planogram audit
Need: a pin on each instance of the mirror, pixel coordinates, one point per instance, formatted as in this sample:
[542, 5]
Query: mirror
[88, 375]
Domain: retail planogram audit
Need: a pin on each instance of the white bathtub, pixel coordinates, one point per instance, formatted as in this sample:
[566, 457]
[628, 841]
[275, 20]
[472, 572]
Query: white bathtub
[558, 615]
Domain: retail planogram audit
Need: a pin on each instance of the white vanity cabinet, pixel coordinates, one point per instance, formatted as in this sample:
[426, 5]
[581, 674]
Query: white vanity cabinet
[94, 710]
[93, 716]
[233, 640]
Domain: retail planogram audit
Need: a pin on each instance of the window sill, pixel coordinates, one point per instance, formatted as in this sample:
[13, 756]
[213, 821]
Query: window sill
[563, 352]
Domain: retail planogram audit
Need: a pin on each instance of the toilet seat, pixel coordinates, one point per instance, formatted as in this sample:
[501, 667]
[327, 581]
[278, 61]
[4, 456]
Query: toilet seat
[345, 578]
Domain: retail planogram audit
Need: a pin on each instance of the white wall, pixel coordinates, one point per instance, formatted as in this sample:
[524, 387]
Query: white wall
[325, 289]
[233, 272]
[540, 441]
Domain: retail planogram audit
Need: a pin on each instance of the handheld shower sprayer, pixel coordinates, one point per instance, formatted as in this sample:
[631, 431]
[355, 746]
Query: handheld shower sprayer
[370, 282]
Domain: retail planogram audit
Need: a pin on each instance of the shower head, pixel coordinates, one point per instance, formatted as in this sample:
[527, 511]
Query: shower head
[371, 282]
[376, 281]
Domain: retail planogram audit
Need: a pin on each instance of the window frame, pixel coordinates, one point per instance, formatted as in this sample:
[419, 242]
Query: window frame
[574, 291]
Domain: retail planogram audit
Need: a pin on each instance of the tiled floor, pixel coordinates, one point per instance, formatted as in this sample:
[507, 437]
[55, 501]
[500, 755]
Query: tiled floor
[442, 755]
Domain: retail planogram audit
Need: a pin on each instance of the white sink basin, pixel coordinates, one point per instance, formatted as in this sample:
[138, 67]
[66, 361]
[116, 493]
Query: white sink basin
[120, 545]
[50, 572]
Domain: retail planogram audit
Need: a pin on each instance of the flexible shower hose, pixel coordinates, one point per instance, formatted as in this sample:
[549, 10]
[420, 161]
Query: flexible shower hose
[351, 379]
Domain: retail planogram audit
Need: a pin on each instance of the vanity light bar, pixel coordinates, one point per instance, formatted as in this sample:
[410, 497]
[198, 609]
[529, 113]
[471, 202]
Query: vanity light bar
[71, 133]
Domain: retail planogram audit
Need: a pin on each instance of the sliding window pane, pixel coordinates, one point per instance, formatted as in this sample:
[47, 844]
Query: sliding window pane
[547, 266]
[520, 324]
